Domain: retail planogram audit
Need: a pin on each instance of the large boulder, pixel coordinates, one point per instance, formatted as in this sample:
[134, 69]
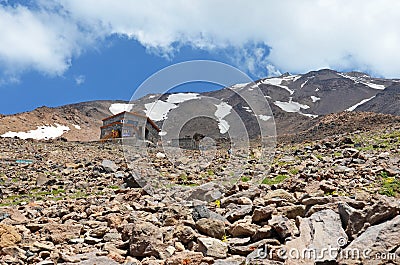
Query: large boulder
[375, 246]
[356, 220]
[184, 234]
[109, 166]
[146, 240]
[211, 227]
[318, 233]
[207, 192]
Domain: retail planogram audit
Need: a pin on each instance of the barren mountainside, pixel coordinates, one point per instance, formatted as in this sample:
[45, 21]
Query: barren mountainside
[298, 103]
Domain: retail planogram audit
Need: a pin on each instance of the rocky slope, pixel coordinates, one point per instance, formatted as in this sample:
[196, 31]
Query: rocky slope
[79, 203]
[80, 122]
[297, 102]
[385, 102]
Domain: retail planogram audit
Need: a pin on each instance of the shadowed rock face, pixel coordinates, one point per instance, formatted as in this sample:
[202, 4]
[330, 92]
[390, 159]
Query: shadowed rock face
[385, 102]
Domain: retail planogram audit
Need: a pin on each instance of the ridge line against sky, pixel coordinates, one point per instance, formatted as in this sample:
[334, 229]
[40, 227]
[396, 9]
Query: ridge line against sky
[52, 44]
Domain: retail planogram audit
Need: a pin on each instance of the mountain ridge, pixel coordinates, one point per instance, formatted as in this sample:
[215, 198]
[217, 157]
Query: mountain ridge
[297, 103]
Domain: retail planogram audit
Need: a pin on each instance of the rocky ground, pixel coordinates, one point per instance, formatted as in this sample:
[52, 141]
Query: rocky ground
[65, 203]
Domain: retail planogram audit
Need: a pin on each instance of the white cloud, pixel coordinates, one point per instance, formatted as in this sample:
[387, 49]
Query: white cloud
[263, 37]
[80, 79]
[37, 39]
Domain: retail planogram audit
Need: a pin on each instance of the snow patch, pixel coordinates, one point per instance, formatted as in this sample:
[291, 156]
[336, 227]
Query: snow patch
[374, 86]
[309, 115]
[181, 97]
[291, 106]
[362, 80]
[237, 86]
[264, 117]
[152, 96]
[223, 110]
[120, 107]
[77, 126]
[247, 109]
[315, 99]
[359, 104]
[158, 110]
[302, 85]
[41, 133]
[277, 81]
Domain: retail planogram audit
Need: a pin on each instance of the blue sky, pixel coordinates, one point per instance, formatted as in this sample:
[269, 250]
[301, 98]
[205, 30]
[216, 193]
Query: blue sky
[58, 52]
[113, 71]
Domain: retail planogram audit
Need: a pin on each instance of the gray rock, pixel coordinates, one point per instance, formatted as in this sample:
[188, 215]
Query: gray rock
[109, 166]
[201, 211]
[262, 233]
[132, 182]
[207, 192]
[3, 216]
[212, 247]
[379, 240]
[321, 231]
[238, 198]
[264, 255]
[41, 180]
[356, 221]
[353, 220]
[292, 211]
[238, 212]
[283, 226]
[343, 169]
[146, 240]
[92, 258]
[317, 200]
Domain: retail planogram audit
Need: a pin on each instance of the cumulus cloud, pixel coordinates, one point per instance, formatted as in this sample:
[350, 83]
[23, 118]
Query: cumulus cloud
[37, 39]
[262, 36]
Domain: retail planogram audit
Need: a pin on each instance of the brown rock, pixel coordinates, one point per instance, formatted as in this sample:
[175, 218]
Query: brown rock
[185, 234]
[211, 227]
[8, 236]
[262, 214]
[146, 240]
[243, 229]
[185, 257]
[59, 233]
